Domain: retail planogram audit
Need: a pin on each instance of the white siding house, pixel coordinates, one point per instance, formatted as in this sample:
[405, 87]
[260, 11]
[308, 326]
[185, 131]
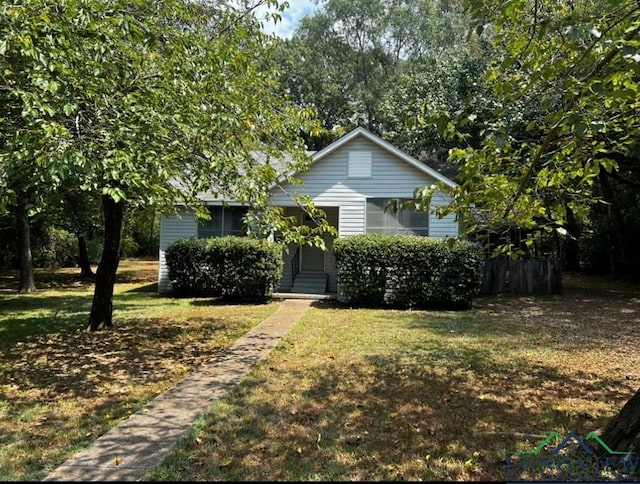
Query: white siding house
[350, 179]
[173, 227]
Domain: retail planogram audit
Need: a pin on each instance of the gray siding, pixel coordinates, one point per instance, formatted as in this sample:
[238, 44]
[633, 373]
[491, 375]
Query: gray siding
[327, 183]
[446, 226]
[172, 228]
[352, 218]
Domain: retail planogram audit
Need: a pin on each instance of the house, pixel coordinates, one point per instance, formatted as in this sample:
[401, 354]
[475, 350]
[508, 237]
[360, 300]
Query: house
[351, 180]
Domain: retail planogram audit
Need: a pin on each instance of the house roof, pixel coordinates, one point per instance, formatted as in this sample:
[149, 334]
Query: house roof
[278, 164]
[318, 155]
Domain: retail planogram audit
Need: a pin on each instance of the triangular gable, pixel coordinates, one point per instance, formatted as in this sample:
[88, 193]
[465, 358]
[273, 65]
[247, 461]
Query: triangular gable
[318, 155]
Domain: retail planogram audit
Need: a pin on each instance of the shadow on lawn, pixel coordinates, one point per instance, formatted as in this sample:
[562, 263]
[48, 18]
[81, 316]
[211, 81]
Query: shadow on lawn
[78, 364]
[451, 407]
[222, 301]
[29, 315]
[35, 314]
[148, 288]
[446, 413]
[571, 322]
[86, 425]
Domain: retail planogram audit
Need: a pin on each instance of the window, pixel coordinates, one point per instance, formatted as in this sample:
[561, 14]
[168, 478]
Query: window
[224, 221]
[233, 220]
[382, 220]
[359, 164]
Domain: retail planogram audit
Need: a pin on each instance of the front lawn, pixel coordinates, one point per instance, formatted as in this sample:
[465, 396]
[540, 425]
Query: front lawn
[350, 394]
[61, 387]
[418, 395]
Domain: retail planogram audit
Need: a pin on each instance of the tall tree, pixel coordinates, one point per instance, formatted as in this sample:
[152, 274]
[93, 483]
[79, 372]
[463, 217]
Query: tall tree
[431, 89]
[24, 172]
[23, 232]
[153, 102]
[25, 175]
[566, 83]
[344, 59]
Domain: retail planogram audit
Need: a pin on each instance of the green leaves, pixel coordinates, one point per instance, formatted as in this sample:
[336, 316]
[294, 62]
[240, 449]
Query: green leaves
[408, 271]
[371, 63]
[566, 90]
[149, 102]
[234, 267]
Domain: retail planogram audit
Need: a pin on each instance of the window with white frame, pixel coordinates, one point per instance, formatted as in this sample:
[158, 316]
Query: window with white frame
[360, 164]
[224, 221]
[381, 219]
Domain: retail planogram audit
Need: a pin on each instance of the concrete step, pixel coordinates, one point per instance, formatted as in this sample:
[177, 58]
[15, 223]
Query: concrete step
[304, 290]
[309, 289]
[311, 275]
[310, 283]
[320, 285]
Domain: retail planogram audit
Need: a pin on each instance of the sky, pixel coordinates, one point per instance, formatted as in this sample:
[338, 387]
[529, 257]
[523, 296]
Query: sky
[290, 17]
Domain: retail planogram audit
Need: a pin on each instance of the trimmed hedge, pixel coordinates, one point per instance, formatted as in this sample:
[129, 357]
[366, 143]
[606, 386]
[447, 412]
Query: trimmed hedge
[232, 267]
[407, 271]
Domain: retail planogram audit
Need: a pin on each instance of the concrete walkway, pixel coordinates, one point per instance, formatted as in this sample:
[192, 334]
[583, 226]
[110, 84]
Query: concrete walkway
[127, 452]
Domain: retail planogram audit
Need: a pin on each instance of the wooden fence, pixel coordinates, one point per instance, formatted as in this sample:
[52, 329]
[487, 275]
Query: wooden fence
[522, 276]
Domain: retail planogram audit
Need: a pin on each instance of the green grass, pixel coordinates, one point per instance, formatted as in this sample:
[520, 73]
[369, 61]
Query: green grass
[356, 394]
[350, 394]
[61, 387]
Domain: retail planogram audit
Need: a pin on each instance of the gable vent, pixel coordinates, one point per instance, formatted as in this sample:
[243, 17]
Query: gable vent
[359, 164]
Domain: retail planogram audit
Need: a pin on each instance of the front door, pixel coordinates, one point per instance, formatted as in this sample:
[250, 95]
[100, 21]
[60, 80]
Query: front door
[312, 259]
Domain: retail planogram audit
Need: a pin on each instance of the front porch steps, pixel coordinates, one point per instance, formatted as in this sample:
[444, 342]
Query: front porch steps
[315, 297]
[310, 283]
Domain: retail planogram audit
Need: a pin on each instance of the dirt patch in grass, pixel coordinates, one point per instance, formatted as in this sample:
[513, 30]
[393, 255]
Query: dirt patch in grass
[61, 387]
[420, 395]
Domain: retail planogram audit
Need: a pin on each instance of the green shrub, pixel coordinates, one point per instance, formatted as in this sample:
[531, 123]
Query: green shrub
[56, 248]
[128, 246]
[408, 271]
[186, 266]
[237, 268]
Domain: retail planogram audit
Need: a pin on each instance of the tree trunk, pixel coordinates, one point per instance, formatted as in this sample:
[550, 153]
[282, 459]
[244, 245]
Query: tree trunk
[102, 307]
[23, 229]
[83, 259]
[622, 432]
